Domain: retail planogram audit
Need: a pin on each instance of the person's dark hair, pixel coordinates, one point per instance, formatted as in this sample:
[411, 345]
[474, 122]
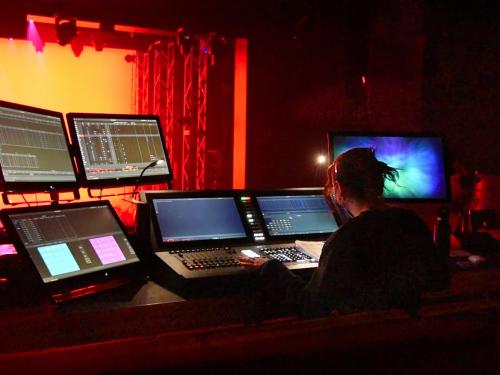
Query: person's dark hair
[361, 174]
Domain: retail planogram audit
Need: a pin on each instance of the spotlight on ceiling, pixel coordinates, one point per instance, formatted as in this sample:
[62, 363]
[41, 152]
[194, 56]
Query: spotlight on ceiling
[65, 30]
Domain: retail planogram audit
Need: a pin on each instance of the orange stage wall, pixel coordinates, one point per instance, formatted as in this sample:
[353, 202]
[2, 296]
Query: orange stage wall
[57, 80]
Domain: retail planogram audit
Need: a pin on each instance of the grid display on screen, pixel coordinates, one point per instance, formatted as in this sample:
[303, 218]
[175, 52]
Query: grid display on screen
[107, 249]
[295, 215]
[33, 146]
[119, 148]
[58, 259]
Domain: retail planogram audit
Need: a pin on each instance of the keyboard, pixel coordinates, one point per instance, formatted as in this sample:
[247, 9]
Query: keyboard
[221, 261]
[286, 254]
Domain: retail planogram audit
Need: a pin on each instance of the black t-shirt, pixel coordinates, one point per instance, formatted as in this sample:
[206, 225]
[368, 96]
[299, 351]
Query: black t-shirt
[378, 260]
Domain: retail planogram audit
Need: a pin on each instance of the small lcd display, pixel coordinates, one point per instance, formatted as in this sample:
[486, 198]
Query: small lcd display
[296, 215]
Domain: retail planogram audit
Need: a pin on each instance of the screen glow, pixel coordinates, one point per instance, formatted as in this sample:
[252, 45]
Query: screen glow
[419, 161]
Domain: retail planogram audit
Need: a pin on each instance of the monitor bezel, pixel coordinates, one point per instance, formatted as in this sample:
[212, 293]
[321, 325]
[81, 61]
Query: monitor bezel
[150, 197]
[285, 193]
[128, 272]
[39, 186]
[446, 199]
[84, 181]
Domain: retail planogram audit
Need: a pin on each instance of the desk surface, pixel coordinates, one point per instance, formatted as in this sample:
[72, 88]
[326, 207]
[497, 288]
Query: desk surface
[150, 327]
[149, 309]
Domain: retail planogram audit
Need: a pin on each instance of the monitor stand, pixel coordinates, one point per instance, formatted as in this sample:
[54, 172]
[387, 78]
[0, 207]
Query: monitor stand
[53, 196]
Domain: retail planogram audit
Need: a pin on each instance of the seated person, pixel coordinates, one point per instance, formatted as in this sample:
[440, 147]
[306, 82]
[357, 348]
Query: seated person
[382, 257]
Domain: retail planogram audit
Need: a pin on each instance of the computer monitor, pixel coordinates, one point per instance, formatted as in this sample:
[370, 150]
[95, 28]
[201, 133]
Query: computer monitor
[419, 159]
[115, 149]
[197, 218]
[295, 214]
[34, 151]
[73, 246]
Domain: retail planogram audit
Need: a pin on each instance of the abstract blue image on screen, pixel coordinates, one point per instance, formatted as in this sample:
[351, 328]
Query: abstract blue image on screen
[419, 161]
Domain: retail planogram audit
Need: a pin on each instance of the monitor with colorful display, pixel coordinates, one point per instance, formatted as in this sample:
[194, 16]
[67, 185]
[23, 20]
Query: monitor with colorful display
[419, 159]
[73, 246]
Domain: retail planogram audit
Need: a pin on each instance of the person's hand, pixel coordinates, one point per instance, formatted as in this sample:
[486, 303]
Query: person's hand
[252, 262]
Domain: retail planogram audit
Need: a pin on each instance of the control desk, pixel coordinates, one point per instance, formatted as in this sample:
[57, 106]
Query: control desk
[202, 234]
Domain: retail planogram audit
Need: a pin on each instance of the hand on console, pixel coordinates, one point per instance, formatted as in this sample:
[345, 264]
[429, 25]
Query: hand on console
[252, 262]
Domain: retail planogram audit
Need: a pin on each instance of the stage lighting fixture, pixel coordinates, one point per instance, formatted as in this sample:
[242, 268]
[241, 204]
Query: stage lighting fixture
[65, 30]
[98, 41]
[77, 47]
[217, 45]
[184, 40]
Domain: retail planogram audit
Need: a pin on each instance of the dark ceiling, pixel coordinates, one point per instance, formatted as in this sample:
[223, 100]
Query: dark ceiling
[238, 18]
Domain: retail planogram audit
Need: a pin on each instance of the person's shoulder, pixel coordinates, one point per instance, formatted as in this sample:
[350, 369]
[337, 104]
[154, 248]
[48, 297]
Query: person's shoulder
[376, 215]
[407, 218]
[390, 216]
[401, 212]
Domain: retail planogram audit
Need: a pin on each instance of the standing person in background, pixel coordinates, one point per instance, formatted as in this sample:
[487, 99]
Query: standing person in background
[382, 257]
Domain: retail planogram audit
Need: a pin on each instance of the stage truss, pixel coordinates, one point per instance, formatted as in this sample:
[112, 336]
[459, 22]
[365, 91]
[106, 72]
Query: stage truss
[183, 114]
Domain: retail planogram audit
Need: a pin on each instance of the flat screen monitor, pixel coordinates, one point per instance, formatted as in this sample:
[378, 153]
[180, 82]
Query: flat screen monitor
[295, 215]
[34, 150]
[195, 218]
[419, 160]
[115, 149]
[73, 245]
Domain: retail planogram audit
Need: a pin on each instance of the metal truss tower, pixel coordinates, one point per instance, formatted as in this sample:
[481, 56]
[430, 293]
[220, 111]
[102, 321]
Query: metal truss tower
[201, 128]
[163, 88]
[155, 92]
[186, 120]
[141, 83]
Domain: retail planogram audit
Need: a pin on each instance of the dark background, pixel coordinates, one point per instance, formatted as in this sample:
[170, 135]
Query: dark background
[430, 66]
